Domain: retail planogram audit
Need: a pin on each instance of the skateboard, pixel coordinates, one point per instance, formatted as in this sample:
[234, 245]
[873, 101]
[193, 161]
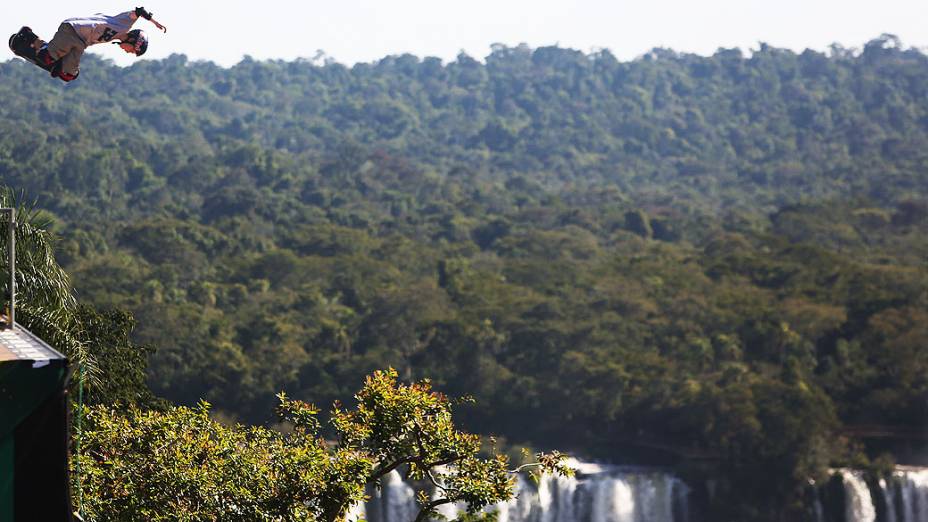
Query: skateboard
[21, 45]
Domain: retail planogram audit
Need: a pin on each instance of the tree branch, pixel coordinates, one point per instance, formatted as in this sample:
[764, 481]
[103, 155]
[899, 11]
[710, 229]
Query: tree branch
[525, 466]
[438, 485]
[426, 509]
[383, 471]
[442, 462]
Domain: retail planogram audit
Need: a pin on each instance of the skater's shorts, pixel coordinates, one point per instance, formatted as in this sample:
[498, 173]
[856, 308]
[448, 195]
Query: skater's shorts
[68, 47]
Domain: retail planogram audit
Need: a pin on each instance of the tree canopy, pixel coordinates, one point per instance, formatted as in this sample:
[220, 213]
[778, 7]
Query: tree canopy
[179, 464]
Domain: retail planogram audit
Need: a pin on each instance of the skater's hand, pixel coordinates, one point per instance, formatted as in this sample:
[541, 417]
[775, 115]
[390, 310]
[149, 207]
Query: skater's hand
[159, 26]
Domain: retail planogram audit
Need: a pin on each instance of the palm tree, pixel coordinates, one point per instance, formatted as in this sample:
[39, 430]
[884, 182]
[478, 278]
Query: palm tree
[45, 302]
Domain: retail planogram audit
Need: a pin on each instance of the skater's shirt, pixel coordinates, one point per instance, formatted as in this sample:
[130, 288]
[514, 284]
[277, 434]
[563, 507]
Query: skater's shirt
[101, 28]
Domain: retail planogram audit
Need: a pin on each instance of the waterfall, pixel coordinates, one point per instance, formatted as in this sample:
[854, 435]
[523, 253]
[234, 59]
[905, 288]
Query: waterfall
[818, 509]
[607, 494]
[614, 501]
[356, 513]
[858, 502]
[601, 493]
[904, 497]
[889, 501]
[519, 508]
[596, 494]
[909, 488]
[394, 502]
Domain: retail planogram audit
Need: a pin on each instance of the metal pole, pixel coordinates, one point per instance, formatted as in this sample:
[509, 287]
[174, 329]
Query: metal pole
[11, 253]
[80, 433]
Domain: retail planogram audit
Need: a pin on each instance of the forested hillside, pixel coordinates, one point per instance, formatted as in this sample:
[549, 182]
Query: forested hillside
[725, 254]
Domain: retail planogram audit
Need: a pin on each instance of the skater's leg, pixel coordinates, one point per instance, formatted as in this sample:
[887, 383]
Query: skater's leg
[61, 56]
[44, 58]
[63, 53]
[64, 41]
[63, 76]
[68, 67]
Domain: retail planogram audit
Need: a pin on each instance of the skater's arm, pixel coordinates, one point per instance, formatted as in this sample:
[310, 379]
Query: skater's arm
[141, 12]
[159, 26]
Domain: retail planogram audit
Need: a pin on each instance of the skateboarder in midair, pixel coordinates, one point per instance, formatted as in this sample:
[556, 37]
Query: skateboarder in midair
[62, 55]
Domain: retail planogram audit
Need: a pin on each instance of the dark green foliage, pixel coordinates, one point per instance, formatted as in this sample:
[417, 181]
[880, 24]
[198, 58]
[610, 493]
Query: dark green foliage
[179, 464]
[638, 222]
[121, 363]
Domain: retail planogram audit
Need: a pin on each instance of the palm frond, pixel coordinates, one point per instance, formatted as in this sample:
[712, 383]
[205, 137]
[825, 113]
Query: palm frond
[45, 300]
[60, 331]
[39, 279]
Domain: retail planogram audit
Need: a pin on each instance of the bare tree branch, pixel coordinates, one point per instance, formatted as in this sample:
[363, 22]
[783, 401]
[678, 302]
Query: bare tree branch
[437, 484]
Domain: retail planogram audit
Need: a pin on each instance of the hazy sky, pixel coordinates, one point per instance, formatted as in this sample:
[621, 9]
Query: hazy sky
[351, 31]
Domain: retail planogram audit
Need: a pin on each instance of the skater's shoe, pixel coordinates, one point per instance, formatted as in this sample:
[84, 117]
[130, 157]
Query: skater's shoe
[23, 40]
[28, 37]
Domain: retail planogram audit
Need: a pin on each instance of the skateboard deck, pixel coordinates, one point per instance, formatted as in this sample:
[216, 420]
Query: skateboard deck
[21, 45]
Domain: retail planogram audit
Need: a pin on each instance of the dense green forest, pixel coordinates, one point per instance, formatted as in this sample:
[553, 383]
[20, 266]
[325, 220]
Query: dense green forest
[723, 254]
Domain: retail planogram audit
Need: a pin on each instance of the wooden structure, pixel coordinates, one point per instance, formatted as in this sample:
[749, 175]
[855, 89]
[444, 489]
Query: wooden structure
[33, 429]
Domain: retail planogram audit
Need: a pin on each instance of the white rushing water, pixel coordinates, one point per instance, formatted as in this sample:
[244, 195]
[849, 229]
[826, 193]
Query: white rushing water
[602, 493]
[858, 502]
[888, 501]
[904, 497]
[394, 502]
[596, 494]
